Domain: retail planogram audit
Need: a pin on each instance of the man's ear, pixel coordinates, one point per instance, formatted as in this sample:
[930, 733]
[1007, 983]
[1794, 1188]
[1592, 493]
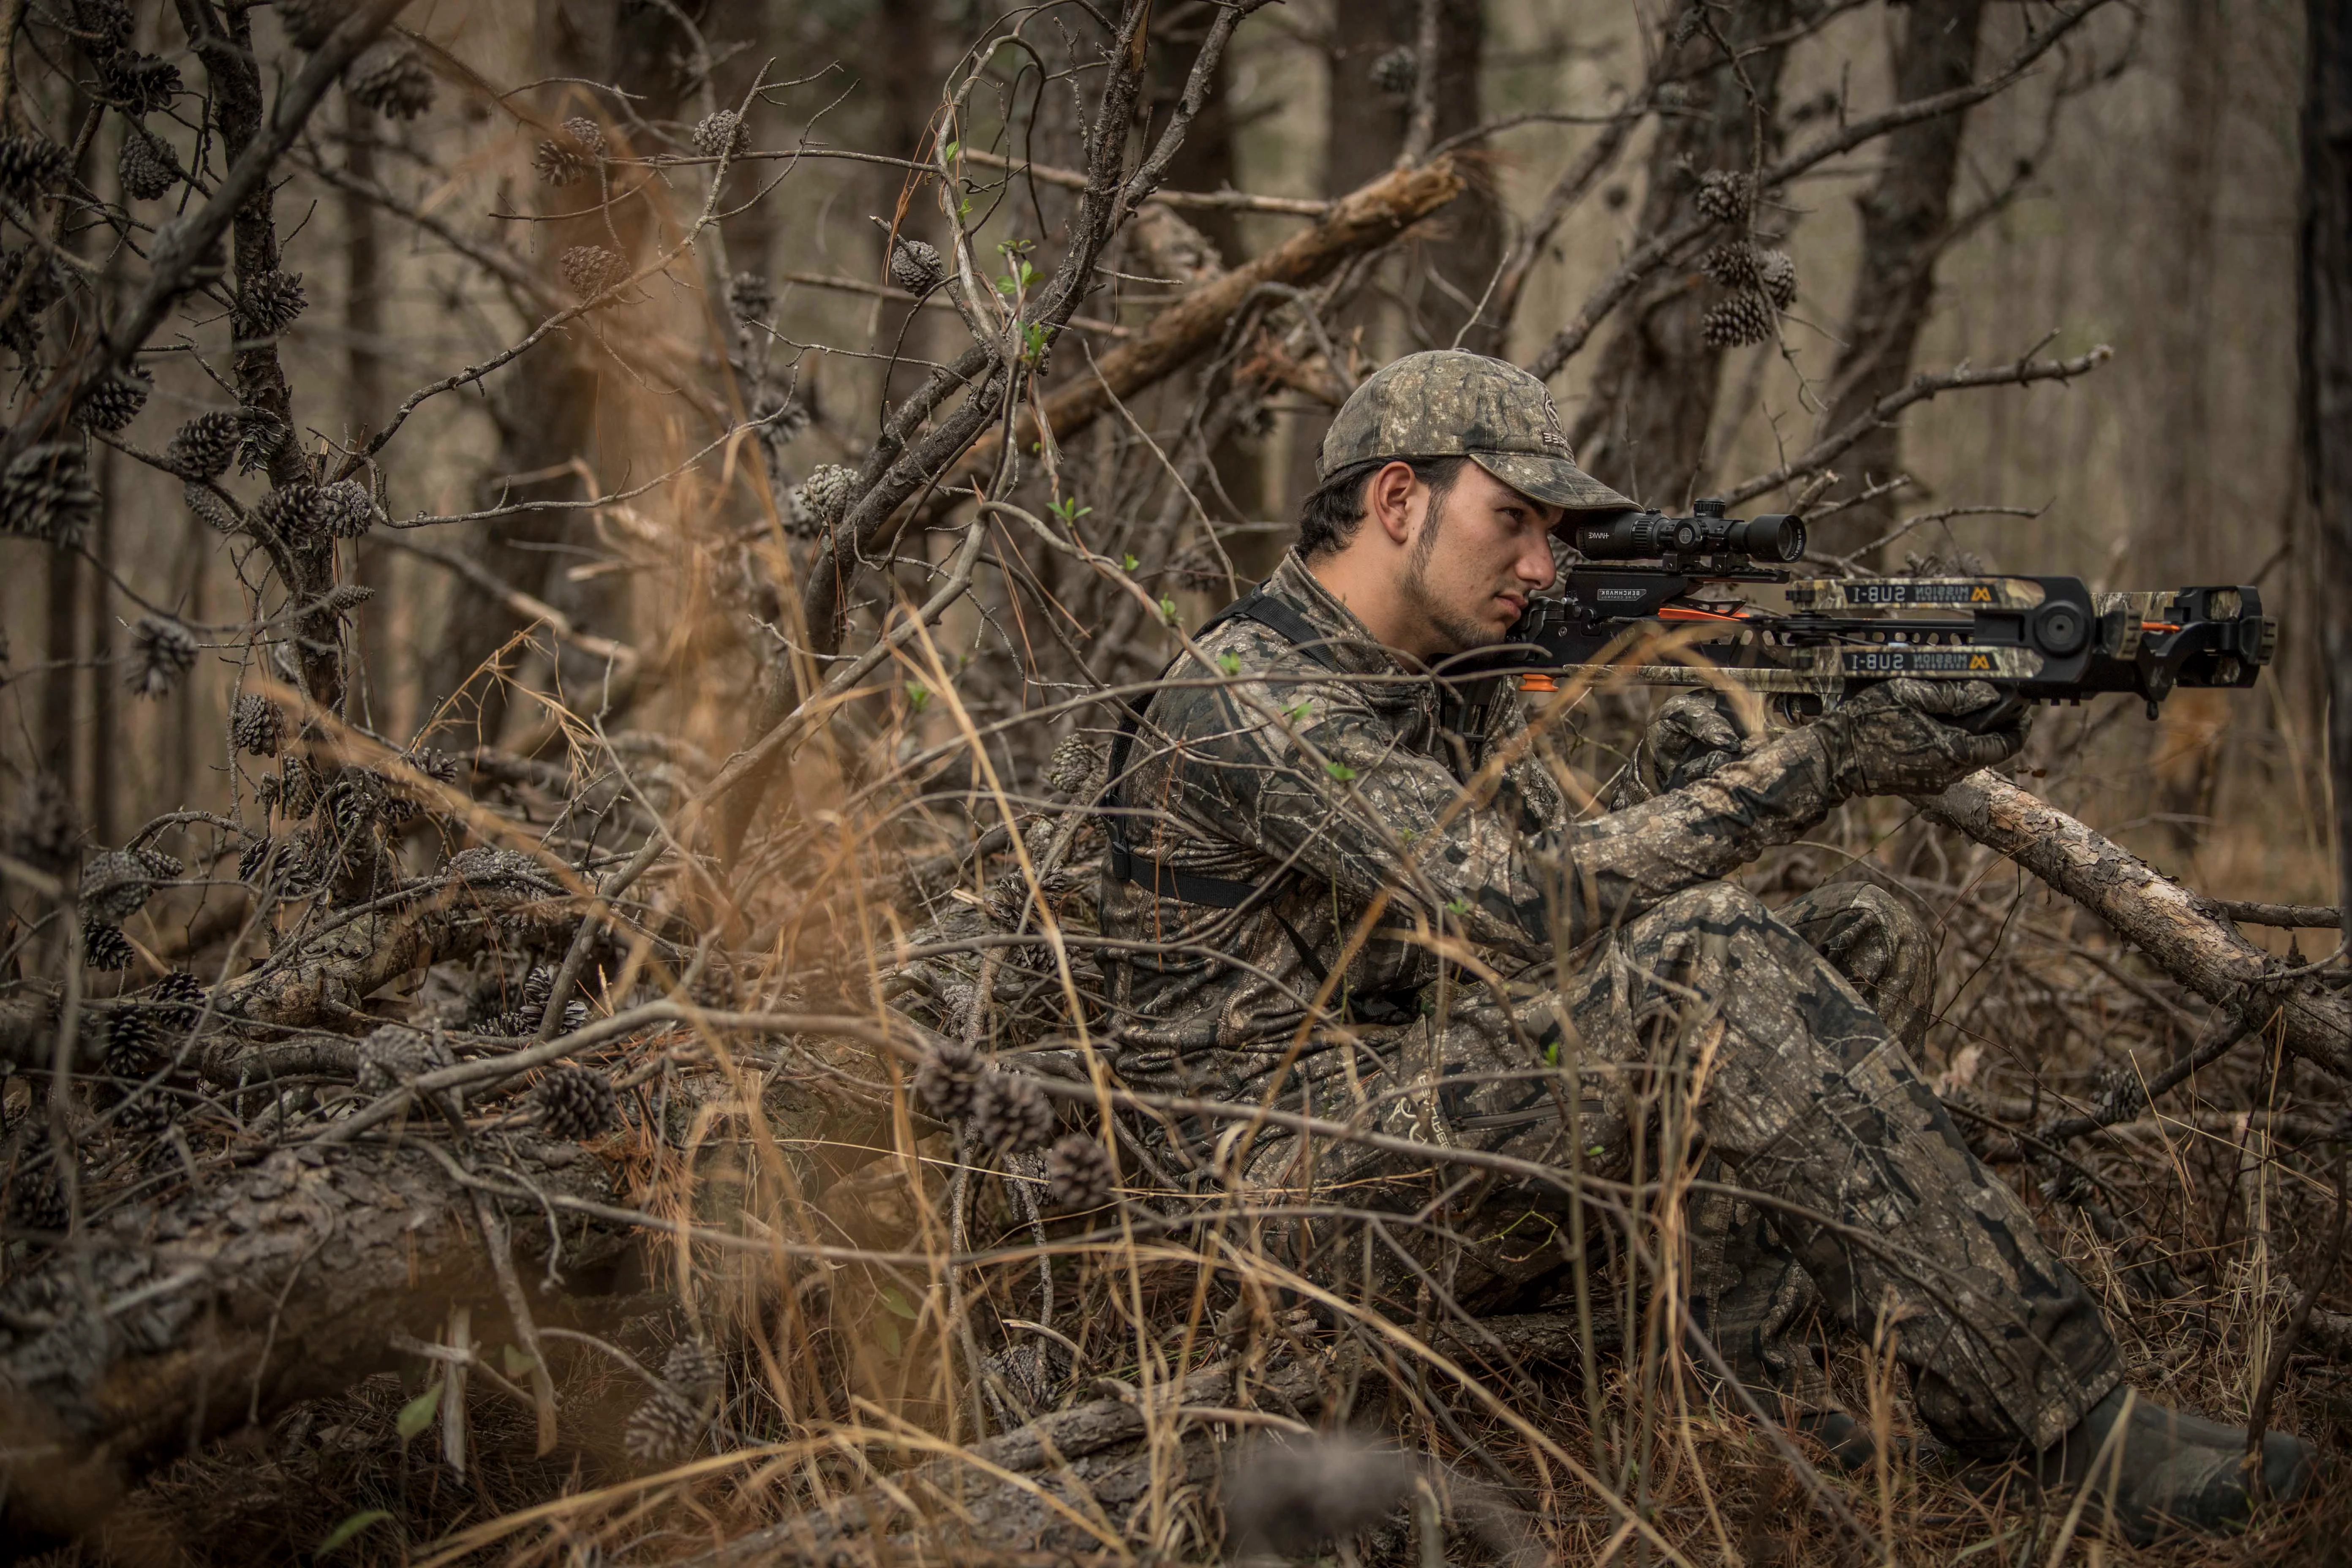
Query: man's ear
[1388, 500]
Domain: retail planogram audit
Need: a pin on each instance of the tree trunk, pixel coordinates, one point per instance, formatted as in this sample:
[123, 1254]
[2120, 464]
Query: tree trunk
[1654, 398]
[2327, 379]
[1905, 216]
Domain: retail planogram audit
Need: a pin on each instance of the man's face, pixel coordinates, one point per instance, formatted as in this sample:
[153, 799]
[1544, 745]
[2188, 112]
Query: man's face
[1475, 559]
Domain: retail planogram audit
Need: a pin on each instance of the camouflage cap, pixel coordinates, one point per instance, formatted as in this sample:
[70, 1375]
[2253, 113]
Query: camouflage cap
[1449, 403]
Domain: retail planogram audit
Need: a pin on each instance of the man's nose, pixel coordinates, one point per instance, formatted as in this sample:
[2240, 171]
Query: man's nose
[1535, 565]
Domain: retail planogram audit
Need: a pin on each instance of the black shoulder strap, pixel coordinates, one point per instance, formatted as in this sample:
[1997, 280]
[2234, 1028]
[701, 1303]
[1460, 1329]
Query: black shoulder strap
[1120, 862]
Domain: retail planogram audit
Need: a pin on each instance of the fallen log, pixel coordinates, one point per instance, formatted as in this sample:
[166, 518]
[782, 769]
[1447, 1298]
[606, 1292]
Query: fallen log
[159, 1326]
[2180, 931]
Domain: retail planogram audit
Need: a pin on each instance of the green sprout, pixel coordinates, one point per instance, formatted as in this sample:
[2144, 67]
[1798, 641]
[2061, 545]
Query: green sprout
[917, 696]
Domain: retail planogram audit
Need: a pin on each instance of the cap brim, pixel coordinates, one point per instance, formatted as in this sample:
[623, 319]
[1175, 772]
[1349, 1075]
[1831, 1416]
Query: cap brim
[1555, 481]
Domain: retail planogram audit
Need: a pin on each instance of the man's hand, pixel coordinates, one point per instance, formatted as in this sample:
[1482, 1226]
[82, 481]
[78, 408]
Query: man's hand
[1692, 736]
[1899, 736]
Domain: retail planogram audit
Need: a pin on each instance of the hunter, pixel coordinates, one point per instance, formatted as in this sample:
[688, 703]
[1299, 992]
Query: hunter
[1309, 810]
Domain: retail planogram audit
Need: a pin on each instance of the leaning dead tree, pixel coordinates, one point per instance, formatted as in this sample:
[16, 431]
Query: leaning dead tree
[677, 1035]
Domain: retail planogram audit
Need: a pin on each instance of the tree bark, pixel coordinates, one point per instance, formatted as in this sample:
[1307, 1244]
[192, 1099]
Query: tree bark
[2327, 379]
[1906, 218]
[1654, 398]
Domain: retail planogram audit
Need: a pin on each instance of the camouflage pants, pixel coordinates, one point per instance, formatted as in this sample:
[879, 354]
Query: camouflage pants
[1762, 1056]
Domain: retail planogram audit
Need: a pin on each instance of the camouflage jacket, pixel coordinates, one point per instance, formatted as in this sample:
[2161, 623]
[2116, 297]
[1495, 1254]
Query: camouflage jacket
[1355, 790]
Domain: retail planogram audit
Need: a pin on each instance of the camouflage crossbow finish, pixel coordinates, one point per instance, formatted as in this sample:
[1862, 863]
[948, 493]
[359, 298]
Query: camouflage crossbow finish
[2047, 639]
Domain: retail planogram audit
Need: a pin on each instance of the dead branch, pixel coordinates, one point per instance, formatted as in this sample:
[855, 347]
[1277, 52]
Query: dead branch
[2180, 932]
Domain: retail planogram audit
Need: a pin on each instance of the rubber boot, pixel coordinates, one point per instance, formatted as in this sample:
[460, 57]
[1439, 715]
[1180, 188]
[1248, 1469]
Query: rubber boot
[2168, 1471]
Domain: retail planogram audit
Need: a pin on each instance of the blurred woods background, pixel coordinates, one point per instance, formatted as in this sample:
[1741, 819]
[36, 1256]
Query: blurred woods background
[2137, 189]
[534, 578]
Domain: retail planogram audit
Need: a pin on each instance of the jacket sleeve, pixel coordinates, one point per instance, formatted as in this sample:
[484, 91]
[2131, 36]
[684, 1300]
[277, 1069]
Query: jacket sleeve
[1314, 774]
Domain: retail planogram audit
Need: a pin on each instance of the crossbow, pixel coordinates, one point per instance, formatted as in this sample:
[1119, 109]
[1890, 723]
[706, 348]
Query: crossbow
[2039, 639]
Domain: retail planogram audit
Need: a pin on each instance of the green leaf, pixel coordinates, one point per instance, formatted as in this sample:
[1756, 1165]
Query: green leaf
[418, 1413]
[351, 1527]
[1340, 771]
[1406, 834]
[1168, 610]
[1128, 562]
[887, 1331]
[899, 1305]
[963, 208]
[518, 1360]
[948, 152]
[1458, 906]
[917, 696]
[1231, 663]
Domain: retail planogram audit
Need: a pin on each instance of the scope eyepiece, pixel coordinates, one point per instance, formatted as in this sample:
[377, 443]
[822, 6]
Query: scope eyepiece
[1648, 535]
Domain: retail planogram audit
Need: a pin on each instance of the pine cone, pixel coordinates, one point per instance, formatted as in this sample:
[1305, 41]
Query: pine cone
[393, 1054]
[145, 1110]
[206, 445]
[917, 266]
[721, 133]
[392, 78]
[115, 401]
[352, 802]
[148, 165]
[268, 305]
[1741, 320]
[826, 491]
[162, 651]
[692, 1369]
[308, 22]
[345, 509]
[947, 1078]
[47, 494]
[115, 885]
[29, 165]
[1724, 195]
[103, 27]
[1776, 271]
[162, 867]
[560, 161]
[36, 1200]
[298, 789]
[1073, 766]
[750, 298]
[1078, 1174]
[574, 1103]
[589, 270]
[178, 1001]
[253, 860]
[261, 436]
[105, 947]
[780, 419]
[139, 84]
[587, 133]
[1397, 71]
[1009, 1111]
[1732, 264]
[43, 831]
[132, 1037]
[21, 330]
[665, 1426]
[292, 512]
[210, 508]
[258, 728]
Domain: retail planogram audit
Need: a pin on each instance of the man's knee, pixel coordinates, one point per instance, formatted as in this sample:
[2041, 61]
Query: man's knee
[1880, 943]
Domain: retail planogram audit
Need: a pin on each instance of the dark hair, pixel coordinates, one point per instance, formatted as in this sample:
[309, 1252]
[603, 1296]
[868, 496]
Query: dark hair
[1329, 516]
